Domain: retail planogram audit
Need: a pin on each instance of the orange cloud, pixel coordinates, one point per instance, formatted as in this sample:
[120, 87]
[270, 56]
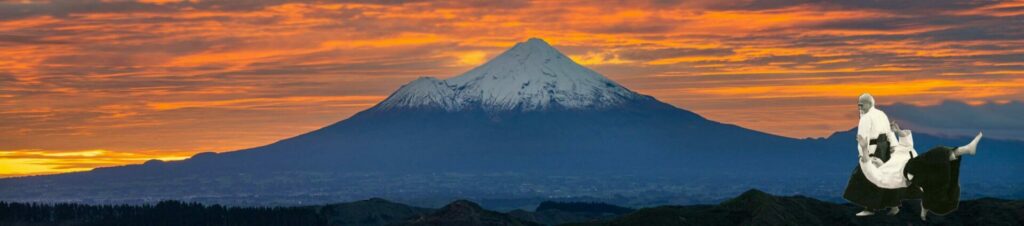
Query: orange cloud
[885, 88]
[358, 101]
[229, 76]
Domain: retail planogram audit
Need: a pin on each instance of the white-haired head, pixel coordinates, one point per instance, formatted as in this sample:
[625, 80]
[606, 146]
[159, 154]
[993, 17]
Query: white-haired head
[865, 103]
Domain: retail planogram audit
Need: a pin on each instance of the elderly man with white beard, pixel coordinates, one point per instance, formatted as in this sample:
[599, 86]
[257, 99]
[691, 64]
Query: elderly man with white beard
[873, 130]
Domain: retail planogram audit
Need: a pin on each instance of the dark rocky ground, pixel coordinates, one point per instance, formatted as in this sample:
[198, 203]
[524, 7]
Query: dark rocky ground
[753, 207]
[758, 208]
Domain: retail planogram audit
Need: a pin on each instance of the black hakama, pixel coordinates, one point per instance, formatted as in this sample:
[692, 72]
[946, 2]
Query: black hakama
[939, 178]
[860, 191]
[864, 193]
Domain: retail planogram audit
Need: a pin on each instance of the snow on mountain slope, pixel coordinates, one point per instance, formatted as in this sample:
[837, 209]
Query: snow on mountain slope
[530, 76]
[424, 92]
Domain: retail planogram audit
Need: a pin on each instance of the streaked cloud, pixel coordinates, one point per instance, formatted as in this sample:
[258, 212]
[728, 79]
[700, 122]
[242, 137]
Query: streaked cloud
[355, 101]
[162, 78]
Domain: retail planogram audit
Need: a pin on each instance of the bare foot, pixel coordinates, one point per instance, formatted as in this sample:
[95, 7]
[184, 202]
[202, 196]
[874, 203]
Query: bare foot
[970, 148]
[924, 213]
[865, 213]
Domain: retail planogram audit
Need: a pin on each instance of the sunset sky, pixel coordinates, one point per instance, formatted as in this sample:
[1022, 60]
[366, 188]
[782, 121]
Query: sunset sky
[89, 83]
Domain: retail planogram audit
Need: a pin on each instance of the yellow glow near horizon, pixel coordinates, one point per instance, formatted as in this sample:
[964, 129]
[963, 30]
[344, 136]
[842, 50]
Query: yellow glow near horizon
[111, 85]
[36, 162]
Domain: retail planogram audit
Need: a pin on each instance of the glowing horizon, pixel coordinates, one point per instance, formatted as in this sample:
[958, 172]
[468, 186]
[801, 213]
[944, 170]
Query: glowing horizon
[146, 80]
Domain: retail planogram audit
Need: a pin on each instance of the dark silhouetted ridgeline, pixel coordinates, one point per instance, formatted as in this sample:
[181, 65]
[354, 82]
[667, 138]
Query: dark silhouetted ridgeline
[163, 213]
[753, 207]
[593, 207]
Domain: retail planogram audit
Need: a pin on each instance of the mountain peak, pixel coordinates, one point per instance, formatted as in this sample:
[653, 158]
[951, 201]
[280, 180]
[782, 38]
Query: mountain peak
[536, 40]
[530, 76]
[463, 205]
[752, 198]
[534, 45]
[463, 212]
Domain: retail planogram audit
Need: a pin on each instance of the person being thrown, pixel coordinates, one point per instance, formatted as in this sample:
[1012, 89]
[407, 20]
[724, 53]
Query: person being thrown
[890, 170]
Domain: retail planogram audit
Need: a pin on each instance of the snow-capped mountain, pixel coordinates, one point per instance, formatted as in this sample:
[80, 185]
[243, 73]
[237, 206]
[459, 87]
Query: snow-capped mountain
[530, 76]
[529, 123]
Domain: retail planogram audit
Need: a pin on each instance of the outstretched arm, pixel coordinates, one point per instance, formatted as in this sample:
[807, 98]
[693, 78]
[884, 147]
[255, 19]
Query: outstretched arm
[862, 147]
